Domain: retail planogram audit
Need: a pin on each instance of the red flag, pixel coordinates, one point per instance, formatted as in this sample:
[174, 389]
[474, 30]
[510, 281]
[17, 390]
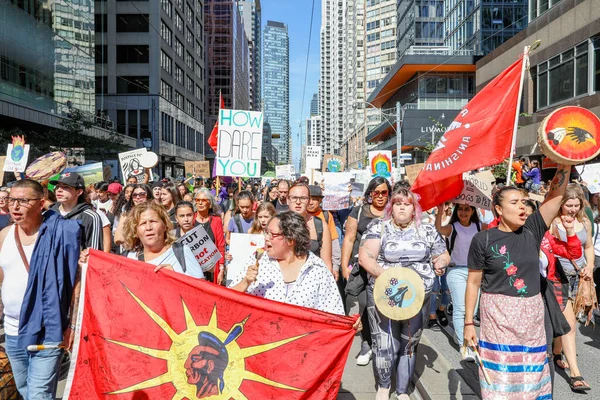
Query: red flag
[168, 336]
[480, 136]
[213, 139]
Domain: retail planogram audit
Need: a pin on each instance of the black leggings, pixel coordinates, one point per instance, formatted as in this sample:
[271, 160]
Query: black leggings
[365, 333]
[395, 345]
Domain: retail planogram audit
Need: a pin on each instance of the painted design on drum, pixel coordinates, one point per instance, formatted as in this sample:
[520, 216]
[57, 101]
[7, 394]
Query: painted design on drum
[400, 293]
[573, 133]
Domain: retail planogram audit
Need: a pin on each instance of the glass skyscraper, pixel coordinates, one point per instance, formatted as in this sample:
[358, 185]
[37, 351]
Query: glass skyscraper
[276, 87]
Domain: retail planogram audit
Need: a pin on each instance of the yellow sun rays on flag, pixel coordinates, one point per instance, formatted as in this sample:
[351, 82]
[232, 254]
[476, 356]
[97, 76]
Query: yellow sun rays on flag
[181, 345]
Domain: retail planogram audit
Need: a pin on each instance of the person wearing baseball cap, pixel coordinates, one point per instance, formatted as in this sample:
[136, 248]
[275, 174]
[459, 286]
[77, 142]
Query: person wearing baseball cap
[71, 204]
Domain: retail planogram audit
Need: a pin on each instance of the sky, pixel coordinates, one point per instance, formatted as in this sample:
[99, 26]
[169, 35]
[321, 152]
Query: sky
[296, 15]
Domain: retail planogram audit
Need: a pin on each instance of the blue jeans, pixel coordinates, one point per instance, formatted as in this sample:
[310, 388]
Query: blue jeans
[439, 285]
[36, 373]
[457, 283]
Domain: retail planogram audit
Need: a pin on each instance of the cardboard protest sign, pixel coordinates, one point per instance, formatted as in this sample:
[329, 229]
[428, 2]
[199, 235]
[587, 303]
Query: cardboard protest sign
[241, 247]
[16, 155]
[203, 248]
[380, 163]
[313, 157]
[197, 168]
[536, 197]
[590, 174]
[239, 150]
[477, 191]
[285, 172]
[412, 171]
[332, 163]
[337, 195]
[131, 165]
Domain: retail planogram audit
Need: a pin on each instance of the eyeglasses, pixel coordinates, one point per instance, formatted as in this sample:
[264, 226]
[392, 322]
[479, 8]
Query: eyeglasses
[301, 199]
[383, 193]
[4, 198]
[23, 202]
[272, 235]
[141, 195]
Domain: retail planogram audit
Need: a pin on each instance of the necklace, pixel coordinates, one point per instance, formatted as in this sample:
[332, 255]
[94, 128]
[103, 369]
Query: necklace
[31, 239]
[400, 226]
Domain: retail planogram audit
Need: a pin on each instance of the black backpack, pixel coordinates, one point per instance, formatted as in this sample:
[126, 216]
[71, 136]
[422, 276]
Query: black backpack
[238, 223]
[319, 229]
[177, 249]
[452, 239]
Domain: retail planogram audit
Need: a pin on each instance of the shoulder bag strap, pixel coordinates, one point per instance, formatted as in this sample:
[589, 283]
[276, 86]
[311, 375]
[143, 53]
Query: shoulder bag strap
[20, 248]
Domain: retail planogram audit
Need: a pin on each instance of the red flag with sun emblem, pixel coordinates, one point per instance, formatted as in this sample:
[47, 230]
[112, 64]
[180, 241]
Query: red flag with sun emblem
[164, 335]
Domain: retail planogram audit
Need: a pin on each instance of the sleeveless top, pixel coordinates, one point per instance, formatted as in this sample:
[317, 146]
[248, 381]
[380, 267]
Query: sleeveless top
[582, 235]
[15, 280]
[464, 235]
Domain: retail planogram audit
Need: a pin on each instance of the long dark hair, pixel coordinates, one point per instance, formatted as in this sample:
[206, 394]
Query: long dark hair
[373, 185]
[121, 201]
[474, 216]
[149, 195]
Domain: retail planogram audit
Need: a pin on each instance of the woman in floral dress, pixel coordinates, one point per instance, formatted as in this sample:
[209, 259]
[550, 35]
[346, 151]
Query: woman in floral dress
[504, 262]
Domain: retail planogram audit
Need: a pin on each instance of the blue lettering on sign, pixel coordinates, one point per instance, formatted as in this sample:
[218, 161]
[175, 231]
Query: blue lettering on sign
[237, 168]
[240, 118]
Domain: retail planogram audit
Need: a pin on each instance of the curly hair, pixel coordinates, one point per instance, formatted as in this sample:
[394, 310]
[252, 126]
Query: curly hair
[121, 201]
[294, 228]
[131, 240]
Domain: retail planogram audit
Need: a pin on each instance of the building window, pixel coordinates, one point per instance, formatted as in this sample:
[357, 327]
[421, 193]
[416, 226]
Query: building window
[199, 71]
[178, 74]
[178, 100]
[133, 84]
[189, 37]
[596, 64]
[191, 139]
[189, 84]
[100, 22]
[199, 50]
[166, 62]
[166, 91]
[144, 126]
[166, 33]
[167, 127]
[189, 107]
[167, 6]
[132, 123]
[101, 54]
[132, 23]
[189, 60]
[180, 134]
[178, 22]
[189, 14]
[179, 48]
[101, 85]
[121, 121]
[133, 54]
[199, 93]
[179, 4]
[563, 77]
[199, 30]
[199, 142]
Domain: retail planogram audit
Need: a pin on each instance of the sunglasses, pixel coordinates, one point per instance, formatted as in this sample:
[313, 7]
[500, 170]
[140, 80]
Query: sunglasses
[142, 195]
[383, 193]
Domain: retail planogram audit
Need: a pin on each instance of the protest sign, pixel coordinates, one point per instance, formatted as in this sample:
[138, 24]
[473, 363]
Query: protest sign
[239, 149]
[197, 168]
[313, 157]
[241, 247]
[536, 197]
[477, 190]
[336, 195]
[362, 176]
[91, 173]
[131, 165]
[75, 155]
[203, 248]
[285, 172]
[590, 174]
[2, 160]
[358, 189]
[332, 163]
[16, 155]
[412, 171]
[380, 163]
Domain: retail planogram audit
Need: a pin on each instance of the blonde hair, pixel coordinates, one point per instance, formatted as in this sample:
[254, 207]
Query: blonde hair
[574, 192]
[132, 241]
[256, 226]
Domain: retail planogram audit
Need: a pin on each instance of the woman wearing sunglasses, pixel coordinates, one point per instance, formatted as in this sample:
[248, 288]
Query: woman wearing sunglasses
[207, 216]
[376, 198]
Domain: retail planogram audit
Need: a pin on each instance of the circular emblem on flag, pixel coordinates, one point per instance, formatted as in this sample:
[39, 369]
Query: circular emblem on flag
[46, 166]
[570, 135]
[399, 293]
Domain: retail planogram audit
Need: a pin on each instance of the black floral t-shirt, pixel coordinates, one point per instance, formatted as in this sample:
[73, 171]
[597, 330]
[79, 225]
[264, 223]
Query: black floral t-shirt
[510, 261]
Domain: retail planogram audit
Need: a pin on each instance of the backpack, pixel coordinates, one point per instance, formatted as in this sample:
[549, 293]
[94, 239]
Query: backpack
[319, 229]
[452, 239]
[177, 249]
[238, 223]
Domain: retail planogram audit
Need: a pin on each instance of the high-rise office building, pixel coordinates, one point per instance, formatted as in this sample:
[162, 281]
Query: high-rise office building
[420, 23]
[479, 27]
[150, 63]
[252, 19]
[276, 87]
[314, 105]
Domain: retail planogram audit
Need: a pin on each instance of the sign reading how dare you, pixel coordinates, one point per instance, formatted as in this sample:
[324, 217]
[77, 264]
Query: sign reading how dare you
[240, 143]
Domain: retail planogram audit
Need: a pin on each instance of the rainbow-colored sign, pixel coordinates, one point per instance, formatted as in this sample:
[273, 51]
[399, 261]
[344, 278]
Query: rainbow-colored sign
[380, 163]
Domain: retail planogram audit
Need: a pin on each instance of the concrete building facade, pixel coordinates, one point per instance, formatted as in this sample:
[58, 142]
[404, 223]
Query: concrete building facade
[252, 19]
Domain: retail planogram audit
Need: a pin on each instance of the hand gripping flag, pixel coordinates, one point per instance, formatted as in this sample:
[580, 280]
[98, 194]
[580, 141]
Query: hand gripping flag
[213, 139]
[147, 335]
[480, 136]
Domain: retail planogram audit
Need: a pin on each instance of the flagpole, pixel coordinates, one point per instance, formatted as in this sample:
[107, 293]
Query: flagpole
[513, 145]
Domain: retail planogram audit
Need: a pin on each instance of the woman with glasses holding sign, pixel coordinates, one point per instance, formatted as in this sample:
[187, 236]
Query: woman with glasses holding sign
[206, 215]
[320, 237]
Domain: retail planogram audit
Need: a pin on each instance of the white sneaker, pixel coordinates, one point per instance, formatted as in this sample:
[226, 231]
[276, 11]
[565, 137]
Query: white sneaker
[382, 394]
[467, 354]
[363, 359]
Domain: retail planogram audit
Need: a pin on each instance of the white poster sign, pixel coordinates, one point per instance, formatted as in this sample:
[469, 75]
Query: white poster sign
[477, 191]
[285, 172]
[16, 157]
[239, 150]
[241, 247]
[590, 174]
[337, 190]
[313, 157]
[131, 165]
[204, 249]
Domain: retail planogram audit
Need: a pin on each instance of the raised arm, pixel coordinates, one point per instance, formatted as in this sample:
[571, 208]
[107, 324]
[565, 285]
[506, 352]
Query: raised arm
[445, 230]
[551, 205]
